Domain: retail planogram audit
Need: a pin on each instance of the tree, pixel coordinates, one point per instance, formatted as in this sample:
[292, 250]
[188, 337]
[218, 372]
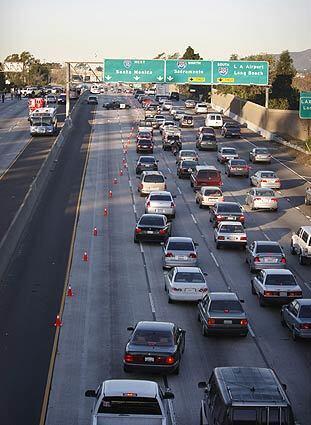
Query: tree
[2, 81]
[282, 85]
[190, 54]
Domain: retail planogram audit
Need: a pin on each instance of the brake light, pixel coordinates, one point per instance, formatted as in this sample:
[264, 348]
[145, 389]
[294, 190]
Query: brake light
[192, 255]
[219, 217]
[274, 199]
[277, 180]
[162, 231]
[148, 204]
[211, 321]
[169, 254]
[172, 204]
[128, 358]
[263, 181]
[169, 360]
[256, 260]
[270, 293]
[140, 185]
[176, 289]
[138, 230]
[244, 322]
[221, 238]
[243, 238]
[305, 326]
[283, 260]
[295, 294]
[256, 199]
[242, 218]
[203, 290]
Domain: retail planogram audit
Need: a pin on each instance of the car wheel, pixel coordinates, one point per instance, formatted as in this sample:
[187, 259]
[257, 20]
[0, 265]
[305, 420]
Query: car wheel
[176, 371]
[283, 323]
[307, 202]
[135, 240]
[196, 200]
[217, 245]
[169, 300]
[250, 182]
[228, 174]
[200, 205]
[253, 288]
[261, 301]
[203, 330]
[191, 184]
[302, 260]
[292, 249]
[126, 370]
[294, 334]
[173, 216]
[251, 269]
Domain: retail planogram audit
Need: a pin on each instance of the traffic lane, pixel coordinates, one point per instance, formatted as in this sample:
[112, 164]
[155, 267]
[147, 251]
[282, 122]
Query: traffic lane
[12, 111]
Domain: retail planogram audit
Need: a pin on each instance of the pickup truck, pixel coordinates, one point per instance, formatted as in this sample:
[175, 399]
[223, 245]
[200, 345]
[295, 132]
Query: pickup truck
[130, 402]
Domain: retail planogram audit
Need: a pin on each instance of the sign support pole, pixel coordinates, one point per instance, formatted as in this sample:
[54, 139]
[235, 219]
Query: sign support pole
[267, 97]
[67, 89]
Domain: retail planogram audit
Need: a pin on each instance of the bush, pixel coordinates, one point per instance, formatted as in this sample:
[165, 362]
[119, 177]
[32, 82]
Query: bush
[280, 103]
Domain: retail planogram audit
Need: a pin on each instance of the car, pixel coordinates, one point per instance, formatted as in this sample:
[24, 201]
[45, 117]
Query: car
[265, 255]
[160, 202]
[308, 196]
[205, 175]
[185, 168]
[206, 130]
[50, 98]
[260, 155]
[185, 284]
[201, 108]
[179, 251]
[154, 347]
[301, 244]
[171, 129]
[167, 105]
[189, 104]
[265, 179]
[206, 142]
[138, 92]
[262, 198]
[152, 228]
[226, 153]
[116, 105]
[275, 286]
[144, 145]
[178, 115]
[186, 121]
[151, 181]
[174, 95]
[92, 100]
[221, 313]
[145, 125]
[214, 120]
[146, 163]
[144, 134]
[237, 167]
[151, 120]
[226, 211]
[230, 233]
[297, 317]
[169, 140]
[61, 100]
[207, 196]
[165, 125]
[151, 110]
[231, 129]
[187, 154]
[159, 119]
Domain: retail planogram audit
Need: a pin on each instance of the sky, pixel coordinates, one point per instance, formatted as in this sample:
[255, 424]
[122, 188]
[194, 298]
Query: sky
[65, 30]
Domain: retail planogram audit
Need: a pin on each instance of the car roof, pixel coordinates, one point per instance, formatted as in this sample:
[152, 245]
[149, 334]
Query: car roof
[304, 301]
[152, 172]
[228, 203]
[233, 223]
[186, 150]
[237, 159]
[267, 243]
[211, 187]
[228, 147]
[265, 171]
[146, 156]
[223, 296]
[179, 239]
[306, 228]
[153, 325]
[152, 215]
[160, 192]
[278, 271]
[117, 387]
[188, 269]
[206, 167]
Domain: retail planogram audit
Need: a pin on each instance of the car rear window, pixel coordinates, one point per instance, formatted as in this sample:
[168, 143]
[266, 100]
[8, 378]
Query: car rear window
[264, 192]
[180, 246]
[232, 124]
[238, 162]
[160, 198]
[208, 174]
[229, 151]
[153, 178]
[185, 277]
[267, 248]
[130, 406]
[208, 136]
[212, 192]
[189, 164]
[147, 160]
[154, 338]
[280, 279]
[268, 174]
[231, 228]
[152, 220]
[225, 305]
[262, 151]
[305, 311]
[188, 153]
[230, 208]
[188, 117]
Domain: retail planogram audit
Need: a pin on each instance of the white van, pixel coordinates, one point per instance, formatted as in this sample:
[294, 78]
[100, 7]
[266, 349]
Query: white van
[214, 120]
[151, 181]
[201, 108]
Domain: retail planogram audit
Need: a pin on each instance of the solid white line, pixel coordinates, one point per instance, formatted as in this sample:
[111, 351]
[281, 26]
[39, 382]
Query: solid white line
[193, 218]
[297, 208]
[130, 184]
[214, 258]
[134, 208]
[141, 247]
[251, 331]
[266, 236]
[169, 170]
[178, 189]
[172, 413]
[151, 302]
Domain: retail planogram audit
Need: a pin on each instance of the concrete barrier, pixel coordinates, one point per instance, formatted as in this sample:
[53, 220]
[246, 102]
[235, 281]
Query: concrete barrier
[15, 231]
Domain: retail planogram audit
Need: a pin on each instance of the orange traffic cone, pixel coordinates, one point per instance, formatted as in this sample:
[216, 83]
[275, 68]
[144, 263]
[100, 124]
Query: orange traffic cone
[115, 181]
[110, 193]
[69, 291]
[105, 212]
[58, 323]
[121, 173]
[95, 231]
[85, 256]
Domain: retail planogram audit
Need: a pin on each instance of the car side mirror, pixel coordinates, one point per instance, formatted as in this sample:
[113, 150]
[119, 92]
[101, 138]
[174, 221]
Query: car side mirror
[90, 393]
[168, 395]
[284, 386]
[202, 385]
[205, 274]
[130, 328]
[137, 177]
[196, 244]
[242, 301]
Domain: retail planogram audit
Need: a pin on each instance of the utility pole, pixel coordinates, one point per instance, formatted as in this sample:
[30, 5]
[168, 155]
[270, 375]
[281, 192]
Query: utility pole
[67, 89]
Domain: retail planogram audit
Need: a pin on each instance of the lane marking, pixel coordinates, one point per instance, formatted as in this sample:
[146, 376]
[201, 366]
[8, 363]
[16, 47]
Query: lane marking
[214, 258]
[193, 218]
[172, 413]
[141, 247]
[151, 303]
[134, 208]
[130, 184]
[169, 170]
[179, 189]
[266, 236]
[251, 331]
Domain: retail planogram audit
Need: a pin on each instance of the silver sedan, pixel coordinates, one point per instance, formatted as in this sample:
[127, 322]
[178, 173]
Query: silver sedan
[259, 155]
[180, 251]
[160, 203]
[261, 198]
[265, 255]
[230, 233]
[265, 179]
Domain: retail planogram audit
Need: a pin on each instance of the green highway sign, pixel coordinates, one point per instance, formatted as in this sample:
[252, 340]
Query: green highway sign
[134, 71]
[182, 71]
[241, 72]
[305, 105]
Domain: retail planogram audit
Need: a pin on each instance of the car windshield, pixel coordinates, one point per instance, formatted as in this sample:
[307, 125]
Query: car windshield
[225, 305]
[144, 134]
[160, 198]
[208, 136]
[264, 192]
[153, 178]
[154, 338]
[305, 311]
[144, 142]
[92, 98]
[180, 246]
[268, 174]
[229, 151]
[187, 117]
[241, 162]
[189, 164]
[230, 208]
[147, 160]
[212, 192]
[187, 153]
[130, 406]
[231, 228]
[268, 248]
[280, 279]
[262, 151]
[151, 220]
[232, 124]
[185, 277]
[208, 174]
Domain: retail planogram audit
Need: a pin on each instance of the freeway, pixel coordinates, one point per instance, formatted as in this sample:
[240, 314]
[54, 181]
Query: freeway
[122, 283]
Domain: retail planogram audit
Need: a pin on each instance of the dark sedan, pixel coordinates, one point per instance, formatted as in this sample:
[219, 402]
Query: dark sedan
[144, 145]
[237, 167]
[231, 129]
[222, 313]
[226, 211]
[154, 347]
[152, 228]
[185, 168]
[146, 163]
[297, 317]
[116, 105]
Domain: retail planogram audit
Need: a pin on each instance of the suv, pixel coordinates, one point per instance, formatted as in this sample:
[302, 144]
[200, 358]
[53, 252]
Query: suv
[151, 181]
[241, 395]
[214, 120]
[308, 196]
[205, 175]
[301, 244]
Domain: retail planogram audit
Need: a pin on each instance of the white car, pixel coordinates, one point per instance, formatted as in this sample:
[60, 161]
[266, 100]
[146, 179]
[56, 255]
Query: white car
[226, 153]
[207, 196]
[151, 181]
[189, 103]
[201, 108]
[185, 284]
[301, 244]
[160, 203]
[187, 155]
[166, 123]
[230, 233]
[214, 120]
[167, 105]
[50, 98]
[262, 198]
[265, 179]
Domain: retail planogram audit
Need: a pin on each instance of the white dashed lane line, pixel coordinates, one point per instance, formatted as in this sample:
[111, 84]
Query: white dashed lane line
[214, 258]
[151, 303]
[194, 219]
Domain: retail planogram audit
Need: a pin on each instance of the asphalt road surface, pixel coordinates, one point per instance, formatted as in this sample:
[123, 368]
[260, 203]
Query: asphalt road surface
[122, 283]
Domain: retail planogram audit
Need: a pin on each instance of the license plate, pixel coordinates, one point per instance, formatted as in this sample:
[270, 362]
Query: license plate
[159, 211]
[189, 290]
[283, 294]
[181, 257]
[150, 232]
[270, 260]
[149, 359]
[239, 169]
[227, 322]
[230, 217]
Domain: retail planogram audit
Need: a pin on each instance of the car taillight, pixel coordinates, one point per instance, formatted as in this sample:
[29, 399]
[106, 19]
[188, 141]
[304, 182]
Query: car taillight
[243, 238]
[277, 180]
[264, 181]
[137, 230]
[270, 293]
[295, 294]
[140, 185]
[148, 204]
[256, 260]
[169, 254]
[169, 360]
[176, 289]
[128, 358]
[274, 199]
[256, 199]
[283, 260]
[162, 231]
[203, 290]
[242, 218]
[305, 326]
[243, 322]
[211, 321]
[221, 238]
[172, 204]
[192, 255]
[219, 217]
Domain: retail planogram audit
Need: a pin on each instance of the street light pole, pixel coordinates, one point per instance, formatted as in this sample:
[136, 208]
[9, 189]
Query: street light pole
[67, 89]
[267, 97]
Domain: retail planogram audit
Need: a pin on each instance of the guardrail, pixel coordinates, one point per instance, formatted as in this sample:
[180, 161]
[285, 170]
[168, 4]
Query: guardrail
[15, 231]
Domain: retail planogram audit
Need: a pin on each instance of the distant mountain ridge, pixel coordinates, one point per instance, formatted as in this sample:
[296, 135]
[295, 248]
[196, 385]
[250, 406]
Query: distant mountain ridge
[302, 60]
